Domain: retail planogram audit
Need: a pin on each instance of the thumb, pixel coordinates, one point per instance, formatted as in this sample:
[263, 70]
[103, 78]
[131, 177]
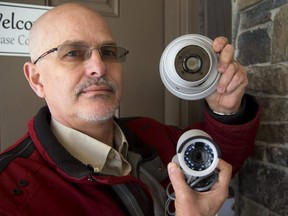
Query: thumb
[176, 176]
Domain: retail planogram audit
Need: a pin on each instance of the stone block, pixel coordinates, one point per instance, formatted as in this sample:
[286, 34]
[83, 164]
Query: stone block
[249, 208]
[254, 46]
[273, 133]
[270, 79]
[265, 185]
[278, 155]
[274, 214]
[280, 39]
[242, 4]
[256, 15]
[274, 109]
[260, 12]
[259, 152]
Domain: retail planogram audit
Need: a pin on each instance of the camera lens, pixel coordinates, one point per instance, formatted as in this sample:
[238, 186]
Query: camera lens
[192, 64]
[198, 156]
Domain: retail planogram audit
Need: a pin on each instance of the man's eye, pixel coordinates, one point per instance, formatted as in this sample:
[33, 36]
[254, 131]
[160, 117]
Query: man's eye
[75, 53]
[110, 53]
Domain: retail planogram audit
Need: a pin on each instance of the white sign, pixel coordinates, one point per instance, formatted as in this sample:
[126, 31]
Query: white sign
[15, 22]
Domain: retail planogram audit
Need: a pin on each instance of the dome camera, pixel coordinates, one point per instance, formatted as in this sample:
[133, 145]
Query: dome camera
[188, 67]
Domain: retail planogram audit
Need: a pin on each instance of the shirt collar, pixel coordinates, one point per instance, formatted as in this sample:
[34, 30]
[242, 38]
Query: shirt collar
[87, 153]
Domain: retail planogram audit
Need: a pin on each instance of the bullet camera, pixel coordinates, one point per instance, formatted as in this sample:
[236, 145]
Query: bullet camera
[188, 67]
[198, 156]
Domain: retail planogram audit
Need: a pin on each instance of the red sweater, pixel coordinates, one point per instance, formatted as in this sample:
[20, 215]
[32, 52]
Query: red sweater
[39, 177]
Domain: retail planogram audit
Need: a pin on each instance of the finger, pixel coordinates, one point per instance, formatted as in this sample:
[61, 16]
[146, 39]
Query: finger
[226, 58]
[237, 65]
[239, 81]
[176, 177]
[221, 188]
[231, 78]
[225, 172]
[219, 43]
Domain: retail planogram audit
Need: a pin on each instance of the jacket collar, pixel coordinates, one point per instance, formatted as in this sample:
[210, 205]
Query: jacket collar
[60, 157]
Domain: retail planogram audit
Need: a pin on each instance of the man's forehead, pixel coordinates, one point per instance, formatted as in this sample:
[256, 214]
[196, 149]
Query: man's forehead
[71, 16]
[89, 28]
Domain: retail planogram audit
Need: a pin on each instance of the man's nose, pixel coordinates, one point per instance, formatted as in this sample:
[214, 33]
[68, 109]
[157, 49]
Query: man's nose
[95, 65]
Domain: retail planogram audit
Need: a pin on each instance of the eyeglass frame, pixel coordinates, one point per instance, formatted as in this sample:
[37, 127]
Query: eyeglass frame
[126, 52]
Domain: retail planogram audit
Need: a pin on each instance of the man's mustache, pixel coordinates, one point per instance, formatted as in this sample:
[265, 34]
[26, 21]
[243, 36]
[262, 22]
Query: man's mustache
[110, 85]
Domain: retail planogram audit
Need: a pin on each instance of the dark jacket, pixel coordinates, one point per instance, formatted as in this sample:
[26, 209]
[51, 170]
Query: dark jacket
[39, 177]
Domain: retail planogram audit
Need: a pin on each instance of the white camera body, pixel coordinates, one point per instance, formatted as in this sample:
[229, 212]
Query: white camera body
[197, 154]
[188, 67]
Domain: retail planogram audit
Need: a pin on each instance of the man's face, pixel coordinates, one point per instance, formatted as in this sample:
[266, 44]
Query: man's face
[78, 92]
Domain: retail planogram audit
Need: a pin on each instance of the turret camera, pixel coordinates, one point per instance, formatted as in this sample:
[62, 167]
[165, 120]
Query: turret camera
[188, 67]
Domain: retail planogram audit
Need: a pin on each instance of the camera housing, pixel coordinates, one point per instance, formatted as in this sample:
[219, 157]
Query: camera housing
[198, 156]
[188, 67]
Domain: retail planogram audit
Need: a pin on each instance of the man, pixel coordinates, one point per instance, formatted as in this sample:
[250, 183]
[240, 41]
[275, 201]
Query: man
[77, 159]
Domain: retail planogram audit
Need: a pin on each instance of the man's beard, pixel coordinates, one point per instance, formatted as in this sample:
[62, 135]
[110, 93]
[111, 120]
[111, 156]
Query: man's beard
[105, 113]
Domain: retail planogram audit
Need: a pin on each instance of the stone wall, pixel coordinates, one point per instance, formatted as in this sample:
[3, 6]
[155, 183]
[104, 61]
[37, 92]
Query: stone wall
[260, 35]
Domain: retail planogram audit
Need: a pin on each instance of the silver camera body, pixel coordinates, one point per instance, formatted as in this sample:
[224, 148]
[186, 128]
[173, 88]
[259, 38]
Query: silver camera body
[198, 156]
[188, 67]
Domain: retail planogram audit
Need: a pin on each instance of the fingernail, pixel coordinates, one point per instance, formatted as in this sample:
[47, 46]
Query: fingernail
[172, 167]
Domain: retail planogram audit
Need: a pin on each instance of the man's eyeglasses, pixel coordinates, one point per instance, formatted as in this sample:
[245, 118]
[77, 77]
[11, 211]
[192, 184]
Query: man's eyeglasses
[80, 53]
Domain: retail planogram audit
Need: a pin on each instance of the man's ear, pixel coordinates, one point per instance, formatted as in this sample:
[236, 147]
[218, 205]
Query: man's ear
[34, 78]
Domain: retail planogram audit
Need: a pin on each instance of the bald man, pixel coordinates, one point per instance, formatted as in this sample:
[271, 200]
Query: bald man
[78, 159]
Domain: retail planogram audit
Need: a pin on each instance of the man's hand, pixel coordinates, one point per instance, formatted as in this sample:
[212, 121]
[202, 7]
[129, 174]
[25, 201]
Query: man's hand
[231, 86]
[192, 203]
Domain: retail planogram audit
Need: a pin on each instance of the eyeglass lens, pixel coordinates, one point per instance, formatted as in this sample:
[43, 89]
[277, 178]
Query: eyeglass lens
[78, 53]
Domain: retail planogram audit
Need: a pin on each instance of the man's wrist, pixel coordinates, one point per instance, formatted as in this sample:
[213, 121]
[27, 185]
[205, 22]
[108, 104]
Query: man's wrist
[246, 112]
